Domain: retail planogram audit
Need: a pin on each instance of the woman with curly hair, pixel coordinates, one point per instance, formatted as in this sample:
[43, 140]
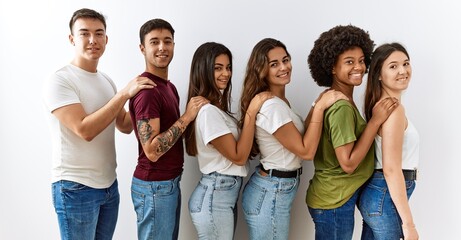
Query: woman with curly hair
[221, 149]
[280, 140]
[344, 160]
[384, 199]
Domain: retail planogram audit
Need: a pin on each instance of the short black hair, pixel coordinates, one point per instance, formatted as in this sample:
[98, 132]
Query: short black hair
[333, 43]
[153, 24]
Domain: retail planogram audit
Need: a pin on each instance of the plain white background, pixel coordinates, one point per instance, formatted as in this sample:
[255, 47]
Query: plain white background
[34, 43]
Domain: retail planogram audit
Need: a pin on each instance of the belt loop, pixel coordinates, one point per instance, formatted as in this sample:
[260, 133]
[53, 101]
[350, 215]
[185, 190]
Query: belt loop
[270, 172]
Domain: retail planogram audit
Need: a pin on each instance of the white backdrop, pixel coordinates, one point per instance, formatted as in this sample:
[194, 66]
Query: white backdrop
[33, 44]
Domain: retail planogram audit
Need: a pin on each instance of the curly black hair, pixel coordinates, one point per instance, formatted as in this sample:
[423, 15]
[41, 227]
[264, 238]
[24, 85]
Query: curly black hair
[330, 45]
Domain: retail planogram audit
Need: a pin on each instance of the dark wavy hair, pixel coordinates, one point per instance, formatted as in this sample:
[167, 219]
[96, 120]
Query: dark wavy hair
[333, 43]
[255, 80]
[373, 91]
[86, 13]
[202, 83]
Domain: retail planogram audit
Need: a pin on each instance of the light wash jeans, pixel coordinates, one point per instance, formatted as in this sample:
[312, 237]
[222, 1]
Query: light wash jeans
[266, 202]
[85, 212]
[213, 206]
[158, 206]
[380, 217]
[336, 223]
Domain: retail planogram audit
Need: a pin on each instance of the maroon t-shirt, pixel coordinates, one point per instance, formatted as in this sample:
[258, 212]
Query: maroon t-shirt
[161, 102]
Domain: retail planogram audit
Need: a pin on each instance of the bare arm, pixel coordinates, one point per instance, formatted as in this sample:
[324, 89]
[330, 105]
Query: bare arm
[392, 134]
[238, 151]
[88, 126]
[351, 155]
[154, 143]
[306, 145]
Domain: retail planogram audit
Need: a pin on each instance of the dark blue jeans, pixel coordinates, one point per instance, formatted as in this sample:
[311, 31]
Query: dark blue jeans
[336, 223]
[85, 212]
[380, 217]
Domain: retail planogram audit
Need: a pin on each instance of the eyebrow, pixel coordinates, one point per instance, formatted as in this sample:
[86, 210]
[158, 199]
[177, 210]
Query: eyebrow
[87, 30]
[275, 60]
[393, 62]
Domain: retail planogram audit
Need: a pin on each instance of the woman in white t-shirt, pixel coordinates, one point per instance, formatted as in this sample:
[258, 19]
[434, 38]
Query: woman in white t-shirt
[281, 141]
[222, 151]
[384, 199]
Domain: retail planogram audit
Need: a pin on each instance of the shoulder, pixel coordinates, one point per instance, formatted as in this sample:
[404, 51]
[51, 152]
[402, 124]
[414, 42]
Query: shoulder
[397, 119]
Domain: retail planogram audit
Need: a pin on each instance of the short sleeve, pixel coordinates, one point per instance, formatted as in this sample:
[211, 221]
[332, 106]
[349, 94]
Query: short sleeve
[211, 123]
[340, 121]
[58, 92]
[147, 104]
[273, 114]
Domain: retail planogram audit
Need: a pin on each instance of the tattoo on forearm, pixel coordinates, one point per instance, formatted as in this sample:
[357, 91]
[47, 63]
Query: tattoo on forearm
[167, 139]
[144, 130]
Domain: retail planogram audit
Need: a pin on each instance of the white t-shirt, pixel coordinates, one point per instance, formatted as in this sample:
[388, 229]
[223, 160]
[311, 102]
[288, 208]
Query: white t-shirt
[211, 123]
[410, 149]
[90, 163]
[274, 114]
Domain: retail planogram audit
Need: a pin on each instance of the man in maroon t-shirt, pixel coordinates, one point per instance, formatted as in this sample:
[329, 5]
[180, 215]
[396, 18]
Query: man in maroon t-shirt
[158, 126]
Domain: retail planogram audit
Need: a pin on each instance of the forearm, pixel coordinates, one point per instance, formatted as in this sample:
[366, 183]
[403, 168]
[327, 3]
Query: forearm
[123, 122]
[363, 144]
[397, 189]
[163, 142]
[245, 142]
[94, 123]
[311, 138]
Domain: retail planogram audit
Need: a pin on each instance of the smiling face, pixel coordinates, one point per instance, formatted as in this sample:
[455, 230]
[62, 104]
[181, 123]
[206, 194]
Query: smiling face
[158, 49]
[279, 71]
[222, 71]
[349, 68]
[396, 73]
[89, 38]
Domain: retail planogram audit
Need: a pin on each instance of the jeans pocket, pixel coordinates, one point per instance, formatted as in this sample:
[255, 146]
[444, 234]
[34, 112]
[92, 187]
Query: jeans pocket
[224, 183]
[372, 200]
[165, 188]
[139, 200]
[253, 198]
[72, 186]
[197, 197]
[287, 187]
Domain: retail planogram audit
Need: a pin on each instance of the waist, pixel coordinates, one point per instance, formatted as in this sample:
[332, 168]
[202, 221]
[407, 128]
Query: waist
[280, 174]
[409, 175]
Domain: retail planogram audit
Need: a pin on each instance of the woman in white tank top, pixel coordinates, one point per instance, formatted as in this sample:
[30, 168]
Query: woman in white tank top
[384, 200]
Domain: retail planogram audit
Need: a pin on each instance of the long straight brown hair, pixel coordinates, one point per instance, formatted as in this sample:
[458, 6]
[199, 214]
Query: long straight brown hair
[373, 91]
[202, 83]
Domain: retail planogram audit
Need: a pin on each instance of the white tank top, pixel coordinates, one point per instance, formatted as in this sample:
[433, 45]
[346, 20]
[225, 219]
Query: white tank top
[410, 149]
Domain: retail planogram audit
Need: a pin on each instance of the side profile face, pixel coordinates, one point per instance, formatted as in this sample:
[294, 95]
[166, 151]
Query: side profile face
[89, 38]
[396, 72]
[279, 73]
[222, 71]
[158, 48]
[349, 67]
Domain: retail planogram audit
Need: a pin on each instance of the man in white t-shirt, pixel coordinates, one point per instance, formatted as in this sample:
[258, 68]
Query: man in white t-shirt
[84, 108]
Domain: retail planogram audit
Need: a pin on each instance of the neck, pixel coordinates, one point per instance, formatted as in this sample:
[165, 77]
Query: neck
[159, 72]
[89, 66]
[389, 93]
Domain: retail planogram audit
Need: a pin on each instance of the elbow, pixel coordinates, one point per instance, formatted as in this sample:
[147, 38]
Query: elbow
[348, 169]
[86, 136]
[126, 131]
[152, 157]
[239, 161]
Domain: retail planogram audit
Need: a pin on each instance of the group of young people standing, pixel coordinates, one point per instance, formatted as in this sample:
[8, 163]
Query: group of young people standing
[371, 164]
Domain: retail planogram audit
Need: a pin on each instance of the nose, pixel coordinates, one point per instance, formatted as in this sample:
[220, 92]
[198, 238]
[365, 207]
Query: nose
[401, 69]
[358, 66]
[161, 46]
[91, 39]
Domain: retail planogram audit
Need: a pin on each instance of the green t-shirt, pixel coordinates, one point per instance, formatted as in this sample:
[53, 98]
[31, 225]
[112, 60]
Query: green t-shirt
[331, 187]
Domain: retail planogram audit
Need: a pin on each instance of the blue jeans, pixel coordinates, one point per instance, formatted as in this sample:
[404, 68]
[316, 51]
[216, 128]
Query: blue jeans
[213, 206]
[380, 217]
[336, 223]
[83, 212]
[158, 206]
[266, 202]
